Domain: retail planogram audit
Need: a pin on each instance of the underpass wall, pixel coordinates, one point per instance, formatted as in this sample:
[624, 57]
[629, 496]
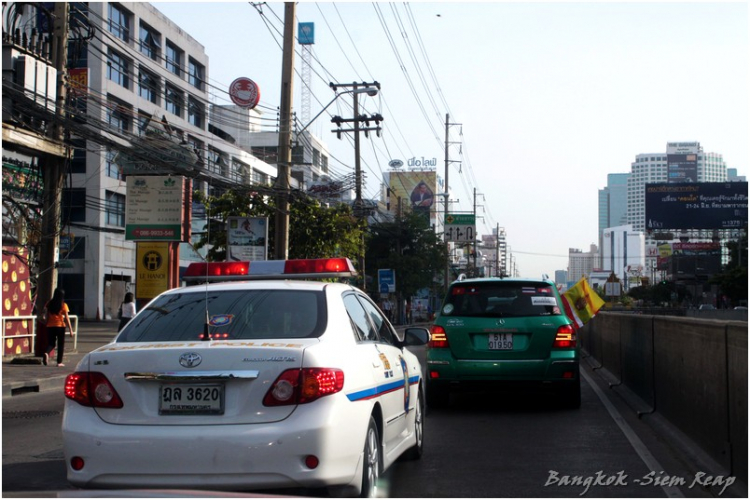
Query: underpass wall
[692, 372]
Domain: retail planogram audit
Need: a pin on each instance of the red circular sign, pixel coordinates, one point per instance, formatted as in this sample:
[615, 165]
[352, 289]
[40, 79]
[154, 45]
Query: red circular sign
[244, 92]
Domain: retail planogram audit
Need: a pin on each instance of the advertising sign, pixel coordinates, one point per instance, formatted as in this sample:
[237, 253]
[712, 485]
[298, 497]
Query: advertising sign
[682, 168]
[460, 227]
[416, 190]
[306, 33]
[247, 238]
[244, 92]
[387, 280]
[152, 269]
[703, 205]
[154, 208]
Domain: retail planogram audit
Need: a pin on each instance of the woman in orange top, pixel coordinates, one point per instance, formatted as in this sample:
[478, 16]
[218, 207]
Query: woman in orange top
[57, 319]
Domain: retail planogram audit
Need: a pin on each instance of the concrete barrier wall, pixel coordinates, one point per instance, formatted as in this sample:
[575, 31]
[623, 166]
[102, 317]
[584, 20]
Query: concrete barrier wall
[691, 371]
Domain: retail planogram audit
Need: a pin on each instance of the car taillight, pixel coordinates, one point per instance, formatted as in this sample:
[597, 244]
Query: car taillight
[91, 389]
[565, 337]
[304, 385]
[438, 338]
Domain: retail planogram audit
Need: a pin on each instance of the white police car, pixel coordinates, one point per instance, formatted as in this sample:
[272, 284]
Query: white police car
[254, 385]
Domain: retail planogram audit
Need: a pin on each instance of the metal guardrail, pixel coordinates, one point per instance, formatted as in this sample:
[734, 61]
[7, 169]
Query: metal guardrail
[32, 335]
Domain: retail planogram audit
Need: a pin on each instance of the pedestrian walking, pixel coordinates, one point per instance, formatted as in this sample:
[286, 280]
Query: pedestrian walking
[56, 318]
[127, 310]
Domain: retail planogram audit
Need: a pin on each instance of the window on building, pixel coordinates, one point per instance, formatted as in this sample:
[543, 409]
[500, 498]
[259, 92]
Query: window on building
[148, 86]
[118, 69]
[112, 169]
[78, 162]
[198, 148]
[119, 116]
[143, 119]
[149, 41]
[196, 112]
[316, 158]
[174, 100]
[196, 73]
[324, 163]
[238, 173]
[174, 59]
[119, 22]
[114, 209]
[73, 205]
[213, 161]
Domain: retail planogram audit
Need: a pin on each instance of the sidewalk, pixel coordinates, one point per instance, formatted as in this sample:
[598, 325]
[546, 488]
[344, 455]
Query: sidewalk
[26, 374]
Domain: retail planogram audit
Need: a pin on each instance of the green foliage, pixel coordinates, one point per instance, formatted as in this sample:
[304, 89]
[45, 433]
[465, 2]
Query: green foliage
[411, 248]
[315, 231]
[733, 279]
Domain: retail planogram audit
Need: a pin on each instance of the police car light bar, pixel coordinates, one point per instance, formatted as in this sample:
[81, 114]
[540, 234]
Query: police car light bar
[269, 269]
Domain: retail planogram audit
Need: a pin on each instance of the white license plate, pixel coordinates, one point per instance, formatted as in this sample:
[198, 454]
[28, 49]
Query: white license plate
[191, 399]
[500, 341]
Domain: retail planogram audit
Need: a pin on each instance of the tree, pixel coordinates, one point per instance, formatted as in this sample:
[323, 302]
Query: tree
[733, 279]
[315, 231]
[410, 247]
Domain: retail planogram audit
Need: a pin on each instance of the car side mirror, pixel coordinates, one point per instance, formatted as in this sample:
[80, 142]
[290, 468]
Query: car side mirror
[416, 335]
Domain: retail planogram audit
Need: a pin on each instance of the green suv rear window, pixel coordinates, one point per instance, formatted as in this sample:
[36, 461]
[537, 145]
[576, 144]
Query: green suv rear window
[501, 300]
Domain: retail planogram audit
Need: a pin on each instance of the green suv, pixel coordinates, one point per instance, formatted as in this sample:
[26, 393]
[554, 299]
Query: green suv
[500, 332]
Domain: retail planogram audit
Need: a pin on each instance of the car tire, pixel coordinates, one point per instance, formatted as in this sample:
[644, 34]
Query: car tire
[371, 457]
[415, 452]
[571, 394]
[437, 396]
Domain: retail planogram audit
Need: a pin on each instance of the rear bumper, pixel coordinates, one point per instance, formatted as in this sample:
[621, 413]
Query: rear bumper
[252, 456]
[561, 366]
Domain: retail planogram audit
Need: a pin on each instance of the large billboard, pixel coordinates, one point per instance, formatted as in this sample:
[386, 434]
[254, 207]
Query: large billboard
[417, 190]
[682, 161]
[703, 205]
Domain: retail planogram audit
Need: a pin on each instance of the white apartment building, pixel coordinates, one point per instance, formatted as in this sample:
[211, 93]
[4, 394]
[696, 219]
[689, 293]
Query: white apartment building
[581, 263]
[141, 68]
[653, 168]
[623, 253]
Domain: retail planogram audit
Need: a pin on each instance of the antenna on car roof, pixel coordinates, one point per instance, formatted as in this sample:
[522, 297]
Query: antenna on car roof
[206, 332]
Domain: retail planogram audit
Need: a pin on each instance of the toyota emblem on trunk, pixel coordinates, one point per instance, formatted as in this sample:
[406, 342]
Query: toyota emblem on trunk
[190, 359]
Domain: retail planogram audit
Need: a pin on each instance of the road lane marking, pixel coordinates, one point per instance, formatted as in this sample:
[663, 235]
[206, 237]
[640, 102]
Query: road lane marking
[640, 448]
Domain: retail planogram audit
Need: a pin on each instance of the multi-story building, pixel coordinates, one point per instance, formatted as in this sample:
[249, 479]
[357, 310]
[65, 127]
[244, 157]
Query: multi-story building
[653, 168]
[613, 203]
[581, 263]
[144, 73]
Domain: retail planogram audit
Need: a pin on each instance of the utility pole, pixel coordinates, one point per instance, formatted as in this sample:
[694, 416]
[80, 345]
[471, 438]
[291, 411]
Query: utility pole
[497, 252]
[53, 168]
[446, 196]
[475, 238]
[284, 160]
[377, 118]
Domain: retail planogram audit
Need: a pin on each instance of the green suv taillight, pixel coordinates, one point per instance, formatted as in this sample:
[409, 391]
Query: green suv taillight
[438, 338]
[565, 338]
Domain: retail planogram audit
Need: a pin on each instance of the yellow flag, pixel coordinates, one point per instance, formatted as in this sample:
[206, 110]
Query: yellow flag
[581, 302]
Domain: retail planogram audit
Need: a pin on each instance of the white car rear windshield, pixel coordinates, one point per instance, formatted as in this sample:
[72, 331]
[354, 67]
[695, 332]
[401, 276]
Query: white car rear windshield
[502, 300]
[232, 314]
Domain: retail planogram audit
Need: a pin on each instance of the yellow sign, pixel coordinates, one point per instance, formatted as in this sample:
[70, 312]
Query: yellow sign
[152, 269]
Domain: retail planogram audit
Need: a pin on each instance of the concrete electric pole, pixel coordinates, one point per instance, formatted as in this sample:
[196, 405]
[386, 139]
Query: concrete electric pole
[284, 160]
[53, 168]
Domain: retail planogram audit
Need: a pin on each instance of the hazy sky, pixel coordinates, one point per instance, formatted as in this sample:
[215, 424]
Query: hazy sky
[550, 97]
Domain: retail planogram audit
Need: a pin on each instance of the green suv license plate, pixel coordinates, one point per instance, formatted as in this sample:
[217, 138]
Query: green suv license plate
[500, 341]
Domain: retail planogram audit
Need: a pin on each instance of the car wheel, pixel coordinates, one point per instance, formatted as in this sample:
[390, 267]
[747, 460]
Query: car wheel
[571, 394]
[415, 452]
[437, 396]
[371, 469]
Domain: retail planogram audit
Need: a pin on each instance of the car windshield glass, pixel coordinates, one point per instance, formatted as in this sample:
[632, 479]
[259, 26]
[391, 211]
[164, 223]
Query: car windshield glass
[502, 300]
[232, 314]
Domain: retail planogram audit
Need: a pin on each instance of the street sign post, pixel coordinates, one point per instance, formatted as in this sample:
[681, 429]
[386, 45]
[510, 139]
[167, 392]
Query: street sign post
[460, 227]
